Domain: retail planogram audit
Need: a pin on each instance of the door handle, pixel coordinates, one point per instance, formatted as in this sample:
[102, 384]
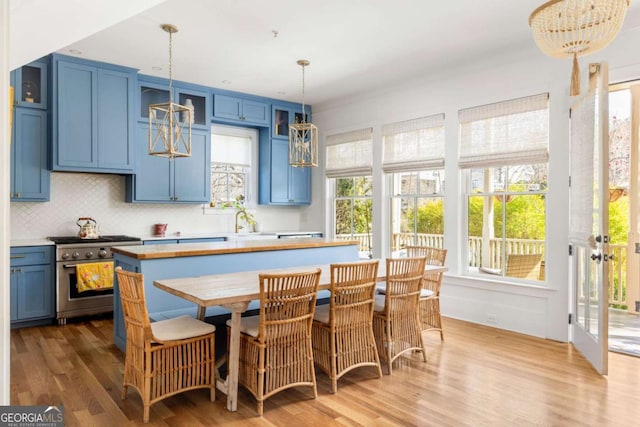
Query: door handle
[597, 257]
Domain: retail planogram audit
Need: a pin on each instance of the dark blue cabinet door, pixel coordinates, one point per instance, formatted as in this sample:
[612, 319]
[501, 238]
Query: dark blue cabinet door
[255, 112]
[92, 117]
[300, 185]
[192, 175]
[279, 171]
[76, 137]
[34, 290]
[115, 130]
[245, 111]
[288, 185]
[227, 107]
[153, 179]
[30, 179]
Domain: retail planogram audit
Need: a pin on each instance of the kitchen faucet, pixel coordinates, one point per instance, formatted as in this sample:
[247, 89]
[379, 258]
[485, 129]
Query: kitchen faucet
[238, 227]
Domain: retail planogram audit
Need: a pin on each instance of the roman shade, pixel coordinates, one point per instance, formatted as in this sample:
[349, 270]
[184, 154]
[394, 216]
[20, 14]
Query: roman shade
[349, 154]
[505, 133]
[414, 144]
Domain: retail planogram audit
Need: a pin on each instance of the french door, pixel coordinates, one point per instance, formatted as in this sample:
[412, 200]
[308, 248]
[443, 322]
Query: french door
[588, 231]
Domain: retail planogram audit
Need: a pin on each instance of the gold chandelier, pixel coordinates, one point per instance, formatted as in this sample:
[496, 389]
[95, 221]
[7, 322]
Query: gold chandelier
[572, 28]
[170, 123]
[303, 136]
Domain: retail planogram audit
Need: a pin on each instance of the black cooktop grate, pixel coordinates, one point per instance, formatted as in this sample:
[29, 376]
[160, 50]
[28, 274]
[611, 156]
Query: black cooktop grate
[65, 240]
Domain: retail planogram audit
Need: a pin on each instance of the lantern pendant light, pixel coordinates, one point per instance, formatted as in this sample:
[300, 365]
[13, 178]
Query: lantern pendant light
[169, 122]
[303, 136]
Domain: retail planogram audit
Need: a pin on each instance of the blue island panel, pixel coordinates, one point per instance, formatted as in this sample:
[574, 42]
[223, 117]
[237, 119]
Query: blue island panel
[161, 304]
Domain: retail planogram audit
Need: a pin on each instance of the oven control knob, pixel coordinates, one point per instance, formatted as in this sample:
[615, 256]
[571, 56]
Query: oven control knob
[65, 255]
[102, 253]
[75, 255]
[89, 254]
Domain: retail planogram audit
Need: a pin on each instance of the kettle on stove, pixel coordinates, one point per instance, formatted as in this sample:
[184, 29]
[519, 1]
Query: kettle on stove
[88, 230]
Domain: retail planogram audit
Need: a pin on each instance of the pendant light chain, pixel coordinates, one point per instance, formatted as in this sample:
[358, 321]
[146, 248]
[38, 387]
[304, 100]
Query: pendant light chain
[304, 116]
[170, 66]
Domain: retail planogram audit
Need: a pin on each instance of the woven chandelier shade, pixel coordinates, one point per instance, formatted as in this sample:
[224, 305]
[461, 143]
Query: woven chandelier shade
[169, 122]
[303, 136]
[572, 28]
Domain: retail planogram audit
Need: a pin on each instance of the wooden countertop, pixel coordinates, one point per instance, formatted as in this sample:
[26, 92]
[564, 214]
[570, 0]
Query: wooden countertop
[229, 247]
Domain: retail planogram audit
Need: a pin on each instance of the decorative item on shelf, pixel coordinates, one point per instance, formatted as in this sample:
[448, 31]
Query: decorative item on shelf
[169, 122]
[572, 28]
[188, 117]
[303, 136]
[29, 91]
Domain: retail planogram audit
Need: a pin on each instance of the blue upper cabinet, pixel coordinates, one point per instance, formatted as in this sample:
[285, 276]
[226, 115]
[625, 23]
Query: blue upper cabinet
[238, 110]
[31, 85]
[281, 184]
[92, 116]
[283, 116]
[153, 90]
[30, 178]
[180, 180]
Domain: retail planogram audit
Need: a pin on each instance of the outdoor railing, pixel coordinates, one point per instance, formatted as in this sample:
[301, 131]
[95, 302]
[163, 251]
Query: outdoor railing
[617, 267]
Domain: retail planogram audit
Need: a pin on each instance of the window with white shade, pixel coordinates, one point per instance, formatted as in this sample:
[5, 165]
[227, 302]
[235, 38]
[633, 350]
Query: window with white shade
[504, 153]
[348, 169]
[413, 157]
[232, 158]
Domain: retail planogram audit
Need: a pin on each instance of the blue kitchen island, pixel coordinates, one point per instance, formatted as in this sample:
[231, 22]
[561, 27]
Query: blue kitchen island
[172, 261]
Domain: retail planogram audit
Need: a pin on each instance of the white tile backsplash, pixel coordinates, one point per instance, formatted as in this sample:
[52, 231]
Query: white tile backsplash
[101, 197]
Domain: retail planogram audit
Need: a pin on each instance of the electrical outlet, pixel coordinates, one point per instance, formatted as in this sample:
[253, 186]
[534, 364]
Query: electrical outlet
[492, 318]
[638, 248]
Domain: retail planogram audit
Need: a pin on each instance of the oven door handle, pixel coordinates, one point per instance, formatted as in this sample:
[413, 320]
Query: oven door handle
[69, 265]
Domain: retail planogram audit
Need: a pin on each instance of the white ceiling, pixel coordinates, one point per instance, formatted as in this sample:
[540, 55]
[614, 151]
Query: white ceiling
[353, 45]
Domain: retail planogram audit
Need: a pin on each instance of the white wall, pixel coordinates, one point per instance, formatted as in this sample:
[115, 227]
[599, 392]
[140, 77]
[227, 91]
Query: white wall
[534, 310]
[4, 208]
[101, 196]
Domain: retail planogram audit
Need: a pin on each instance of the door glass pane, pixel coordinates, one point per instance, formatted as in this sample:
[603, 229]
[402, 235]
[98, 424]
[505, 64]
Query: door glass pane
[593, 297]
[582, 287]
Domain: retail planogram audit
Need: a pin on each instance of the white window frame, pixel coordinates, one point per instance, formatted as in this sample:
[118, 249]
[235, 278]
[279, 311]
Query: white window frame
[503, 149]
[251, 197]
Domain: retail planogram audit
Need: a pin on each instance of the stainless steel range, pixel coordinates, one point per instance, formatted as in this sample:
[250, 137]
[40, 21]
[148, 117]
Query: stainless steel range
[72, 251]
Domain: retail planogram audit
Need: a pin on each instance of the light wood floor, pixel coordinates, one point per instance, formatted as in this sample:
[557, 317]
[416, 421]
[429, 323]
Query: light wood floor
[479, 376]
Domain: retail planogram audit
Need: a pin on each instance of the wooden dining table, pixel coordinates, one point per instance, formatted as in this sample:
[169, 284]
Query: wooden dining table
[234, 291]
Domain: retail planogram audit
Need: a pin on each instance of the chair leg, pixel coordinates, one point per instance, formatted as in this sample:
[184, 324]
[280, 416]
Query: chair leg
[260, 407]
[389, 345]
[124, 392]
[145, 416]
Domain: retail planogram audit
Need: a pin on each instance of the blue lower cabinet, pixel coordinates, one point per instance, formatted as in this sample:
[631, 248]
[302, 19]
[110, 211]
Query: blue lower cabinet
[179, 180]
[31, 285]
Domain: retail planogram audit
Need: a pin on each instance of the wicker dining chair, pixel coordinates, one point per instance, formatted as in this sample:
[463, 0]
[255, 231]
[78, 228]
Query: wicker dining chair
[396, 323]
[342, 332]
[275, 346]
[166, 357]
[430, 316]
